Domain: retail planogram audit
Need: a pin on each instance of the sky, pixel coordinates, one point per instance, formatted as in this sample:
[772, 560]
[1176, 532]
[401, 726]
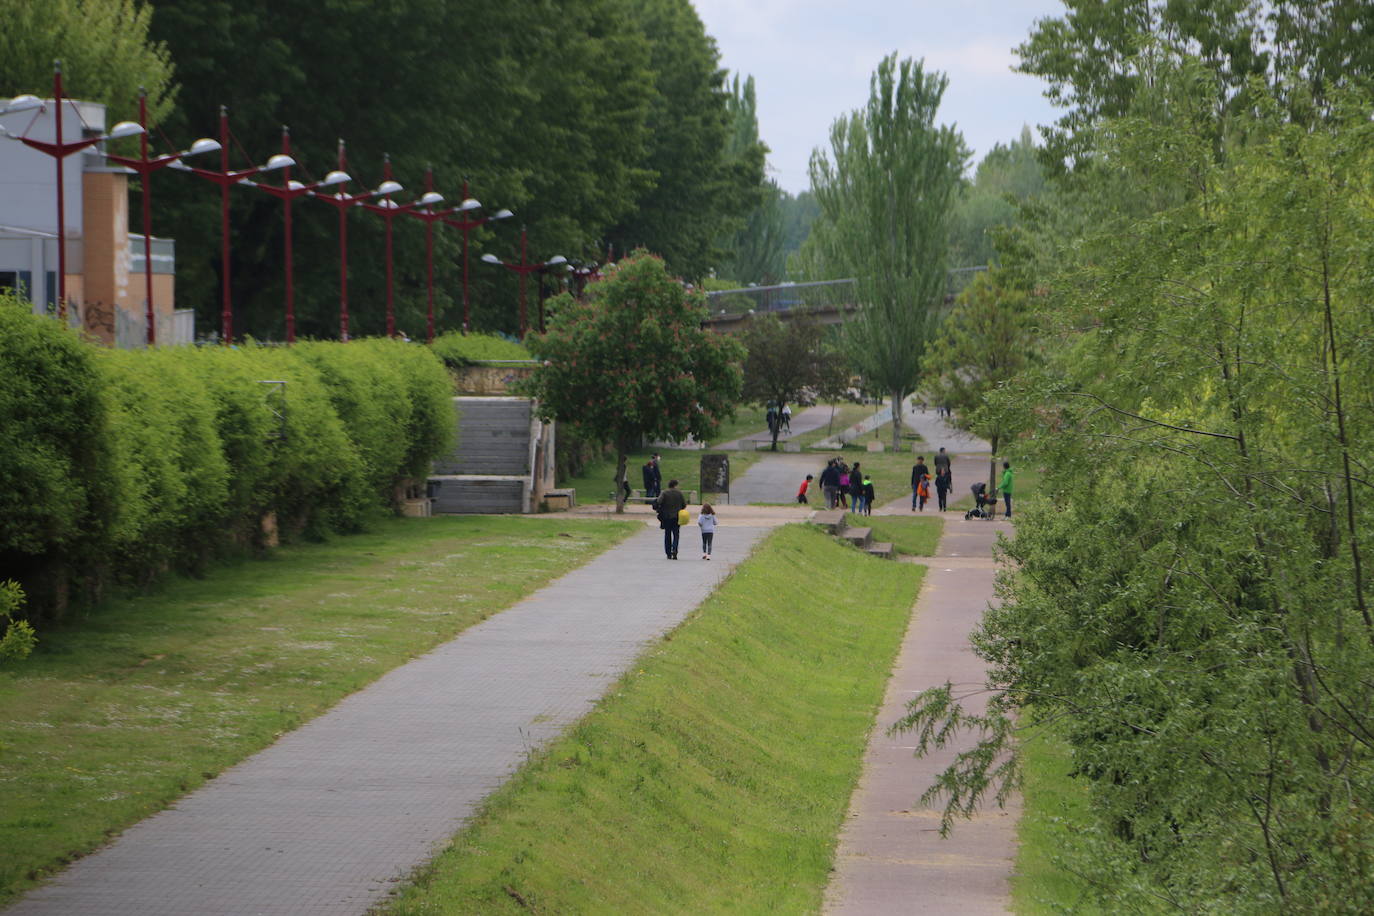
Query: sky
[811, 61]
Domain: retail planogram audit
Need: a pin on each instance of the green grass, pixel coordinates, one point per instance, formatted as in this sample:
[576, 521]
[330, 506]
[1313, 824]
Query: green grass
[846, 415]
[917, 536]
[1054, 803]
[1027, 483]
[120, 712]
[596, 483]
[715, 775]
[457, 349]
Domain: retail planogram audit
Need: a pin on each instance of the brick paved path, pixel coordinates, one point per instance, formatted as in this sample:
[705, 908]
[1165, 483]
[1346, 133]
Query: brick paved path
[891, 858]
[322, 821]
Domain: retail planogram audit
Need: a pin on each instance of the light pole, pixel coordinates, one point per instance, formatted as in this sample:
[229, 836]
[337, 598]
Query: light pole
[61, 151]
[226, 178]
[430, 217]
[467, 225]
[343, 203]
[287, 193]
[389, 210]
[145, 167]
[524, 269]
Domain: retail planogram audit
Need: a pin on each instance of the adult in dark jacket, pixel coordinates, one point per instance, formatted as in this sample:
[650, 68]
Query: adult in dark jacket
[669, 505]
[918, 471]
[944, 482]
[856, 489]
[653, 478]
[830, 484]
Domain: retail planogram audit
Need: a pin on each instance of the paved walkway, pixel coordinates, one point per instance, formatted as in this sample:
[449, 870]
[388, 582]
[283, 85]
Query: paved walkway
[891, 858]
[804, 421]
[325, 819]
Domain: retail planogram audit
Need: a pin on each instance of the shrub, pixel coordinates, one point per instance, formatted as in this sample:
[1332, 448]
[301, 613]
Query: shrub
[18, 639]
[458, 350]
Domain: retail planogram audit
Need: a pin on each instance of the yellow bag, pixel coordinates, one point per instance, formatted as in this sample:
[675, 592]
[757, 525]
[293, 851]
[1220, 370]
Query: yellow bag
[683, 517]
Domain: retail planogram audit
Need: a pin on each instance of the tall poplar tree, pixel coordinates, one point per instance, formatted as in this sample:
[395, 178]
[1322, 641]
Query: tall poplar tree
[885, 192]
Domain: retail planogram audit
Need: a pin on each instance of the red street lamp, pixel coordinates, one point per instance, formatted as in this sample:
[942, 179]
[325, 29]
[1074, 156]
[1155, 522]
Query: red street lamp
[226, 178]
[524, 269]
[145, 167]
[389, 210]
[467, 225]
[288, 192]
[61, 151]
[343, 203]
[430, 217]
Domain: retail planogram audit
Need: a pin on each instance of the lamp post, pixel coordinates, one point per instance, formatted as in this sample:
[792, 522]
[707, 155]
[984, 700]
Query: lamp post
[389, 210]
[467, 225]
[343, 203]
[286, 193]
[524, 269]
[60, 151]
[430, 217]
[226, 178]
[145, 167]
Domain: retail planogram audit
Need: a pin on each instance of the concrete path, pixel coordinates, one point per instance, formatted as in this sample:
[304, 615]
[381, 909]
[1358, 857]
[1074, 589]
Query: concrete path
[891, 858]
[775, 477]
[325, 819]
[804, 421]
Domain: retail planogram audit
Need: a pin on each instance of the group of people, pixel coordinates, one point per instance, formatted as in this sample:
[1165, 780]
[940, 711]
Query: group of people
[844, 487]
[779, 420]
[671, 508]
[922, 482]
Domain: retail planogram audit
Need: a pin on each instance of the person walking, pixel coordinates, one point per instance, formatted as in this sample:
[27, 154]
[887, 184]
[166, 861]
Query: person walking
[787, 417]
[918, 471]
[801, 493]
[844, 485]
[706, 521]
[856, 489]
[1006, 485]
[944, 482]
[830, 483]
[941, 462]
[868, 495]
[923, 492]
[669, 505]
[653, 477]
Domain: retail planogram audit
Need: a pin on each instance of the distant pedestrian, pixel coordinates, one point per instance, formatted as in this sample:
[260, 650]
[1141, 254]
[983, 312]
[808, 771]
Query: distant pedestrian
[801, 493]
[653, 477]
[1006, 485]
[868, 495]
[787, 417]
[918, 471]
[830, 483]
[669, 505]
[923, 492]
[856, 489]
[941, 461]
[706, 521]
[844, 485]
[944, 482]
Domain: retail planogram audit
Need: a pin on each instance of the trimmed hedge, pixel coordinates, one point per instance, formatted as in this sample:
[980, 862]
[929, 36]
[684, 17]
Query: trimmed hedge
[123, 465]
[459, 350]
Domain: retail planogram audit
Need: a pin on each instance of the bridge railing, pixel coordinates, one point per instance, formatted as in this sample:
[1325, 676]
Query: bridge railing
[820, 294]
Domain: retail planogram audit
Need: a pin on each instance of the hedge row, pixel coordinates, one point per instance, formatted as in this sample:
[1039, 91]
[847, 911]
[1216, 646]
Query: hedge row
[458, 350]
[121, 465]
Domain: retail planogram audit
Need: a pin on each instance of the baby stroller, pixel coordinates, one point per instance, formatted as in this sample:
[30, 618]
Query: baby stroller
[980, 500]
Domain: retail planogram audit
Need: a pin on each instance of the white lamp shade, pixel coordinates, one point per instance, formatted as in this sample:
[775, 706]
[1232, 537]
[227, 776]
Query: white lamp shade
[335, 177]
[555, 261]
[279, 161]
[294, 185]
[471, 203]
[491, 259]
[389, 187]
[430, 198]
[125, 129]
[502, 214]
[203, 145]
[22, 103]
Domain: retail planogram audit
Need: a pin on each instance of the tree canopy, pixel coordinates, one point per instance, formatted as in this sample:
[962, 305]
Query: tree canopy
[787, 359]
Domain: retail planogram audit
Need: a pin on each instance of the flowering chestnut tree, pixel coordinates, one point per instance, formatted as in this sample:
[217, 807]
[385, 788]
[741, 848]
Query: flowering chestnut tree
[630, 360]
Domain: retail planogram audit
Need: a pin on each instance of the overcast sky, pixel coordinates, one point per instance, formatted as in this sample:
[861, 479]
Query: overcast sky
[811, 61]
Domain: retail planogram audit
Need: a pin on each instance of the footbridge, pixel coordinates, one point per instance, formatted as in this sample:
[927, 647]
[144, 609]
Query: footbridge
[825, 301]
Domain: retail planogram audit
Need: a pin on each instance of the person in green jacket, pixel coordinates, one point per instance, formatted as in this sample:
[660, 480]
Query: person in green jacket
[1006, 485]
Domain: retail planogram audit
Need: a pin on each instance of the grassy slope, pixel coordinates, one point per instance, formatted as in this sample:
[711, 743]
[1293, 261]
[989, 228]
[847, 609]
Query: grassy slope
[715, 775]
[916, 536]
[118, 714]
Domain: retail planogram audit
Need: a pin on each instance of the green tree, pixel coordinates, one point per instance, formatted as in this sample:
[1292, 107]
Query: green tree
[699, 193]
[986, 342]
[786, 359]
[105, 49]
[1006, 178]
[754, 253]
[885, 194]
[630, 361]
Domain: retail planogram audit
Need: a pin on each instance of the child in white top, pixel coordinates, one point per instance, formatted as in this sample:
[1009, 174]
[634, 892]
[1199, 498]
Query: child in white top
[706, 521]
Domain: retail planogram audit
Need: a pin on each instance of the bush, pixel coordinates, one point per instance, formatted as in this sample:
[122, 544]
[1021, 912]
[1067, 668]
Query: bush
[126, 464]
[458, 350]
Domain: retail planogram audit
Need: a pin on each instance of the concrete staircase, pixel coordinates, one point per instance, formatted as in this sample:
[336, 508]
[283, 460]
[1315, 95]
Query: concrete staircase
[492, 468]
[833, 520]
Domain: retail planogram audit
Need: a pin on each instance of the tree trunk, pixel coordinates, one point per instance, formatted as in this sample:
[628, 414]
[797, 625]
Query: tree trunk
[897, 397]
[622, 455]
[992, 472]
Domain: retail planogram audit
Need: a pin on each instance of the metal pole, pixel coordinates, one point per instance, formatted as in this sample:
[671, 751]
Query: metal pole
[523, 259]
[343, 258]
[467, 309]
[61, 200]
[147, 216]
[226, 313]
[390, 309]
[290, 275]
[429, 261]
